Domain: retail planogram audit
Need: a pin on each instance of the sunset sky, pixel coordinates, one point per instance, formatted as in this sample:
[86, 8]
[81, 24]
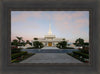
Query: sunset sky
[64, 24]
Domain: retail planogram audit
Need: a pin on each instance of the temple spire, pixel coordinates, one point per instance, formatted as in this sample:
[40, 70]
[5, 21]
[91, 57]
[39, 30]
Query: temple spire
[49, 33]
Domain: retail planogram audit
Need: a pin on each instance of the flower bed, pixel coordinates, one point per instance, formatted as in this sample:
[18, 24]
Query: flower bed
[81, 54]
[84, 57]
[17, 57]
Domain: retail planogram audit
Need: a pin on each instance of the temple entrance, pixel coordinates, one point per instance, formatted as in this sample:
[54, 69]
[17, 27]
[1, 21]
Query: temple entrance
[49, 43]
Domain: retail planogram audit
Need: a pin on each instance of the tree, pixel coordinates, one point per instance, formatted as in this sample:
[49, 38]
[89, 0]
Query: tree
[68, 44]
[14, 42]
[35, 38]
[86, 44]
[37, 44]
[62, 44]
[63, 39]
[41, 45]
[28, 42]
[23, 43]
[79, 42]
[19, 39]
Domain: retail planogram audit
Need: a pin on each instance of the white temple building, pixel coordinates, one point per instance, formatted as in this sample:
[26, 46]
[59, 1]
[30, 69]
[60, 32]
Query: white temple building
[50, 39]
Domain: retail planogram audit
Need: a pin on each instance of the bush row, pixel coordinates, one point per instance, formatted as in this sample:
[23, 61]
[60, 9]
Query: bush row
[13, 56]
[30, 48]
[69, 48]
[15, 50]
[84, 51]
[14, 60]
[81, 54]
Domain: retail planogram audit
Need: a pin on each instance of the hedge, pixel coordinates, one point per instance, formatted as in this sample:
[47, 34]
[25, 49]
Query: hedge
[84, 51]
[81, 54]
[14, 60]
[15, 50]
[13, 56]
[67, 48]
[30, 48]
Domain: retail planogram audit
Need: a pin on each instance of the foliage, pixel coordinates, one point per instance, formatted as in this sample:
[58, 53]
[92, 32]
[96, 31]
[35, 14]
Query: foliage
[79, 42]
[68, 48]
[38, 44]
[63, 39]
[14, 42]
[19, 38]
[28, 42]
[13, 56]
[81, 54]
[62, 44]
[30, 48]
[84, 51]
[86, 44]
[68, 44]
[23, 57]
[20, 42]
[15, 50]
[14, 60]
[23, 43]
[35, 38]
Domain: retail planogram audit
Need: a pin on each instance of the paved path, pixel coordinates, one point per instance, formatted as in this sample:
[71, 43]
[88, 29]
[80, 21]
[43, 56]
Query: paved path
[51, 58]
[50, 48]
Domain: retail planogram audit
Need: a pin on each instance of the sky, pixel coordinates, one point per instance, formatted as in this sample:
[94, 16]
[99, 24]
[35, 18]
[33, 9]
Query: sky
[64, 24]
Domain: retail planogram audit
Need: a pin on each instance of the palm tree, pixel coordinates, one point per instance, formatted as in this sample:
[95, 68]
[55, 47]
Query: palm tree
[27, 41]
[23, 43]
[19, 39]
[14, 42]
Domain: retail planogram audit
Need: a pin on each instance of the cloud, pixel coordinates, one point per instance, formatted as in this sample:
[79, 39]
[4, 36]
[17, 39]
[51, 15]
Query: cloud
[22, 17]
[71, 23]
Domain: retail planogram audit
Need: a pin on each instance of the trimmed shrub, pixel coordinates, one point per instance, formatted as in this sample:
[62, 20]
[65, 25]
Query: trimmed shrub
[38, 44]
[15, 50]
[16, 55]
[81, 54]
[68, 48]
[84, 51]
[14, 60]
[30, 48]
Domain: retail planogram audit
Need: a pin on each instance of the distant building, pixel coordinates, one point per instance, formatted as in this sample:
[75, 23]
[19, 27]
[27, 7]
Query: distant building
[50, 39]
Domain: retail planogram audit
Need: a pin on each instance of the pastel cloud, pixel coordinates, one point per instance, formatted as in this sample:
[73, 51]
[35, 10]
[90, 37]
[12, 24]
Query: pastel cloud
[73, 23]
[24, 15]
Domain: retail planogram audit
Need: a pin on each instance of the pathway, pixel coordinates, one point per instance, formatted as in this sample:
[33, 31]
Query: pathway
[50, 48]
[51, 58]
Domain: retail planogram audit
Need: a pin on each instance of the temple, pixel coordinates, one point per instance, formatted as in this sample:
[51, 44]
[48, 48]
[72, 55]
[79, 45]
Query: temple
[49, 39]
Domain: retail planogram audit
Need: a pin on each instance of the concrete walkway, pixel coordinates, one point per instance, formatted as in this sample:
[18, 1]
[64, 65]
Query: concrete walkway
[50, 48]
[51, 58]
